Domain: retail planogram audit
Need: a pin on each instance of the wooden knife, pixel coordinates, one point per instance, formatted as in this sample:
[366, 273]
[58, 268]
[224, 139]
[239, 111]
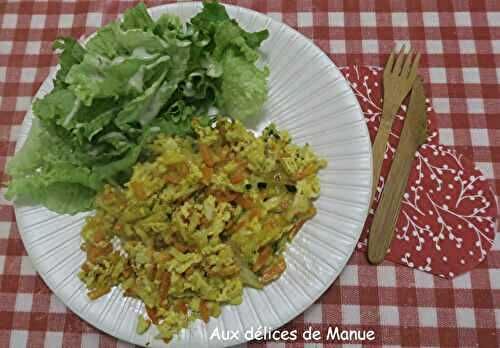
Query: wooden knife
[414, 134]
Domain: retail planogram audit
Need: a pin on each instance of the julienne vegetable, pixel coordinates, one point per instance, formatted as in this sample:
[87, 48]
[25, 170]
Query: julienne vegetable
[131, 81]
[200, 218]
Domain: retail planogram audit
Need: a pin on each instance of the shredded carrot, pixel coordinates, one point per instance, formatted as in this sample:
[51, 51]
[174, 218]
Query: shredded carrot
[207, 174]
[253, 213]
[231, 196]
[93, 252]
[119, 227]
[152, 313]
[274, 271]
[170, 179]
[86, 267]
[181, 247]
[293, 231]
[151, 271]
[130, 292]
[204, 311]
[183, 169]
[243, 221]
[308, 170]
[206, 155]
[182, 306]
[238, 176]
[262, 258]
[244, 201]
[226, 196]
[95, 294]
[127, 272]
[189, 271]
[164, 285]
[98, 236]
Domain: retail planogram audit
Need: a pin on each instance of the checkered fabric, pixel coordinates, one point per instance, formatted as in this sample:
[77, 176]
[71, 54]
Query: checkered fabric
[460, 43]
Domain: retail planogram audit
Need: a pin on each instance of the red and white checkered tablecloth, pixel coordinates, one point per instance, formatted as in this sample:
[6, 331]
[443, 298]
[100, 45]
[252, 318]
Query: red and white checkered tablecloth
[460, 42]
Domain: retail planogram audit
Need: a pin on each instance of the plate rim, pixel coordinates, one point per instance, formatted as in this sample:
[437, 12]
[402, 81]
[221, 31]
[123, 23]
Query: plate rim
[29, 118]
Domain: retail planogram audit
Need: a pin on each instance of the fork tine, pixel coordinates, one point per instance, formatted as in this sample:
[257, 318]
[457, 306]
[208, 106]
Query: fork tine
[390, 62]
[399, 61]
[405, 70]
[414, 67]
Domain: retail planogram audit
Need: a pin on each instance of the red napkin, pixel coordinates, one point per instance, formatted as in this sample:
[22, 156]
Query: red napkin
[447, 220]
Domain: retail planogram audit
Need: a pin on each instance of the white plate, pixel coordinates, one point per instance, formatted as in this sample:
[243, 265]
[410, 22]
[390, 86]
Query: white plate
[309, 97]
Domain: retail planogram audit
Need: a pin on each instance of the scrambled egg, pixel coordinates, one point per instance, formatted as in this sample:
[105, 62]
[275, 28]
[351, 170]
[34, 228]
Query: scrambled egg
[199, 220]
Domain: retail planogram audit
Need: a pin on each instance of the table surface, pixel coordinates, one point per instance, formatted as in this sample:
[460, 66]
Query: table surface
[460, 45]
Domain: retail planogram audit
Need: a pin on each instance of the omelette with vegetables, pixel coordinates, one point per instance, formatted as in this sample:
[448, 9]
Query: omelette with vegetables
[200, 218]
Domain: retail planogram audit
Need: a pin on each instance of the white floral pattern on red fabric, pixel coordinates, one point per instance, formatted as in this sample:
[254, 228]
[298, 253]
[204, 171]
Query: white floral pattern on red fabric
[447, 220]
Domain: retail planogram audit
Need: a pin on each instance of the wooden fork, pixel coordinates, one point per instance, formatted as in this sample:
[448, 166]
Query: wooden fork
[399, 74]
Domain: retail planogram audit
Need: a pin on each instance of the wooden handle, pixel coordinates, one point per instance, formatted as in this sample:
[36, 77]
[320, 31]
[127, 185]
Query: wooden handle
[380, 143]
[384, 222]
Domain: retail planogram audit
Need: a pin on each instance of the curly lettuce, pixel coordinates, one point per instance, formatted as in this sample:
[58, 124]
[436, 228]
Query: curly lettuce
[132, 79]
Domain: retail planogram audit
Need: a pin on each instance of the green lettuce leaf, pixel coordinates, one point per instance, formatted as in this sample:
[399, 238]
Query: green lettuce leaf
[28, 158]
[147, 106]
[131, 80]
[47, 157]
[230, 35]
[196, 85]
[112, 169]
[40, 176]
[97, 77]
[137, 18]
[42, 172]
[71, 53]
[213, 19]
[112, 41]
[244, 87]
[168, 26]
[59, 106]
[179, 53]
[254, 40]
[60, 197]
[87, 130]
[212, 14]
